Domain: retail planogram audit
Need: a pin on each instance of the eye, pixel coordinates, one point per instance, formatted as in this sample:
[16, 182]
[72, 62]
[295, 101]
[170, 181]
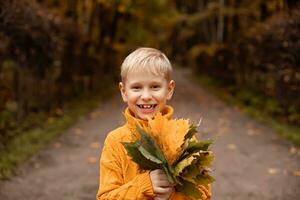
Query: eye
[136, 87]
[155, 86]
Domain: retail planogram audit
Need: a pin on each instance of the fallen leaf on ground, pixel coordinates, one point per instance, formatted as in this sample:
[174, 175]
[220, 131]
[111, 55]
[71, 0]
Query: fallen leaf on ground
[231, 146]
[77, 131]
[95, 145]
[293, 150]
[37, 165]
[223, 130]
[252, 132]
[296, 173]
[272, 171]
[57, 145]
[199, 98]
[274, 137]
[92, 160]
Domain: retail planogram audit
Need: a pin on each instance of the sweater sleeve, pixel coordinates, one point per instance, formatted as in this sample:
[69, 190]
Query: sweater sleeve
[112, 185]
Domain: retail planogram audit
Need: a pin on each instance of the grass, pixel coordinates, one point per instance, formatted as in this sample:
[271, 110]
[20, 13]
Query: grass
[251, 103]
[23, 146]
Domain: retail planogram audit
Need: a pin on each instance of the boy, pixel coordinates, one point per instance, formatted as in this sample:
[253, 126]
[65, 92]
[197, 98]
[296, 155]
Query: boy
[146, 87]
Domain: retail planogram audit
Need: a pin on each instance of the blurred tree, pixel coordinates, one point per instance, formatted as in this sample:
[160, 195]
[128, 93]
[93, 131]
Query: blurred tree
[232, 40]
[52, 51]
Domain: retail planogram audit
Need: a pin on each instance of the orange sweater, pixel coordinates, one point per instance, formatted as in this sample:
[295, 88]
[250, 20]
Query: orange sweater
[120, 177]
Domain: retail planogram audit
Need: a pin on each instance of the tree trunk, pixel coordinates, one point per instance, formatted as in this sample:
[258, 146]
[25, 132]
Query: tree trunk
[220, 32]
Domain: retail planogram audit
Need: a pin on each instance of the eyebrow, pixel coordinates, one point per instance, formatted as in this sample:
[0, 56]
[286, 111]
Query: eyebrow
[135, 83]
[152, 82]
[156, 82]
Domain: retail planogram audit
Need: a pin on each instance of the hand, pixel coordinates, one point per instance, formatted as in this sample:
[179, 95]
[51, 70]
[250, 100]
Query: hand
[162, 188]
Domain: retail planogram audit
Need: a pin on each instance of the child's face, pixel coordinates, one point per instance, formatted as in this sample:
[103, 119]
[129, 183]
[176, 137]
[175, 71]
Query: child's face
[146, 94]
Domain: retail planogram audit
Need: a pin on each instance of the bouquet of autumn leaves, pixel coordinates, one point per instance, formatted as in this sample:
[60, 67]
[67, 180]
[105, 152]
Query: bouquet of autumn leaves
[171, 145]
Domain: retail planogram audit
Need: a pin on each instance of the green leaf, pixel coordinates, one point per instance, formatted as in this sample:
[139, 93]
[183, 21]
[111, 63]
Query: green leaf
[152, 151]
[149, 155]
[189, 189]
[204, 179]
[139, 158]
[198, 145]
[190, 173]
[169, 173]
[183, 164]
[150, 145]
[205, 159]
[194, 146]
[196, 175]
[192, 131]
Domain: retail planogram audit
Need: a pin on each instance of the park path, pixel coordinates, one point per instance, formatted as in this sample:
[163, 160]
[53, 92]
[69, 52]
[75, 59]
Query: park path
[252, 162]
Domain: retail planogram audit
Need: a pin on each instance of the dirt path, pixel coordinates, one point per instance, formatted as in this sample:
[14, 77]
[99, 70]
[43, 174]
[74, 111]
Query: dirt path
[251, 161]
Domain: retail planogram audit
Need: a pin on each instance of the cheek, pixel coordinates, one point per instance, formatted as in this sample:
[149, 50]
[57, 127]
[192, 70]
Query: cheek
[161, 95]
[132, 96]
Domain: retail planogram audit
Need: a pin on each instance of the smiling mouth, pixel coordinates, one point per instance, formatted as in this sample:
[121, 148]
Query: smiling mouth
[147, 106]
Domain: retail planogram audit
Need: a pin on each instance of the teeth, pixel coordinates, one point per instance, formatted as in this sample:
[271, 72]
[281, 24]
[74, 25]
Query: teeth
[146, 106]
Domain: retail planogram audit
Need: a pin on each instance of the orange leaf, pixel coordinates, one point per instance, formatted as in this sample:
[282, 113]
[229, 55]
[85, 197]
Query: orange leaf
[92, 160]
[296, 173]
[169, 135]
[272, 171]
[95, 145]
[231, 146]
[293, 150]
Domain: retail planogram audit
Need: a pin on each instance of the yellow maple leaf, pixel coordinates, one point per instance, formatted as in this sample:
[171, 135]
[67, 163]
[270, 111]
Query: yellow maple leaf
[169, 135]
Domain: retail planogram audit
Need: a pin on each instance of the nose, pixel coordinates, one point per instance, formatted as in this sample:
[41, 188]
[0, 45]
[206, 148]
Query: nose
[146, 95]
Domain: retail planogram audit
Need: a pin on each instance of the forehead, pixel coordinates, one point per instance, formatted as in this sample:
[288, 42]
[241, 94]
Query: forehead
[139, 76]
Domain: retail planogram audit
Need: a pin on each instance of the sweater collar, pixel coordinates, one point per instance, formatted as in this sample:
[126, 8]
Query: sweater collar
[132, 121]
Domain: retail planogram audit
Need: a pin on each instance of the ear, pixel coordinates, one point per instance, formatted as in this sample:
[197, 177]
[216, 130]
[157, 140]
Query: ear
[123, 91]
[171, 87]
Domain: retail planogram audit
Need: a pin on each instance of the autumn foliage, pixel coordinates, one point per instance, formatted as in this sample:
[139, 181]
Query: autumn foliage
[52, 52]
[250, 47]
[171, 145]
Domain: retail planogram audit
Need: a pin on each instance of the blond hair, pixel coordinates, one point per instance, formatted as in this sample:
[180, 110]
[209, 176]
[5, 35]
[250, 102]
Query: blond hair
[149, 60]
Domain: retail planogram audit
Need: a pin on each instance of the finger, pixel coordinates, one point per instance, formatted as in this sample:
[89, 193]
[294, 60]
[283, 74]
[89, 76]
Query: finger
[160, 172]
[162, 197]
[159, 198]
[162, 176]
[163, 183]
[162, 190]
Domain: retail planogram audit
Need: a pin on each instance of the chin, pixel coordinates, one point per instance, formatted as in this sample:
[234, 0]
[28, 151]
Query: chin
[146, 117]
